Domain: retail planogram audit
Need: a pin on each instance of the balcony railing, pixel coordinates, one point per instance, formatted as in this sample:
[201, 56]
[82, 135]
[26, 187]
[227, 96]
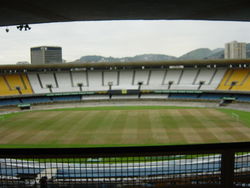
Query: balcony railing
[206, 165]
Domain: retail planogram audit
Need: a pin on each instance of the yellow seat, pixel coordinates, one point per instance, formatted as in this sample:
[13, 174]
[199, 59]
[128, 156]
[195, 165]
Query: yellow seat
[236, 80]
[9, 84]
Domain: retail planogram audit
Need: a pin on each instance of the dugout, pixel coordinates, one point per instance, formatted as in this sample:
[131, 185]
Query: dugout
[226, 100]
[24, 106]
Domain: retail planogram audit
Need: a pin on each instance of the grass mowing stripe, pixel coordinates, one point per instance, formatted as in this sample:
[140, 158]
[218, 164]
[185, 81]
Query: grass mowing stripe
[129, 133]
[80, 134]
[158, 130]
[118, 126]
[227, 124]
[97, 120]
[9, 115]
[218, 128]
[189, 130]
[171, 126]
[13, 127]
[35, 126]
[66, 132]
[120, 108]
[103, 132]
[238, 128]
[204, 130]
[62, 121]
[122, 127]
[144, 133]
[243, 115]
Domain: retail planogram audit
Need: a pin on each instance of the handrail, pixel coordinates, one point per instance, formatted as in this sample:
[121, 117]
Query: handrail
[223, 157]
[125, 151]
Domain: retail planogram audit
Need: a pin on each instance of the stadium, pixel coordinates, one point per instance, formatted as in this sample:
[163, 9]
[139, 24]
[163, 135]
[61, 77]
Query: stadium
[117, 105]
[133, 124]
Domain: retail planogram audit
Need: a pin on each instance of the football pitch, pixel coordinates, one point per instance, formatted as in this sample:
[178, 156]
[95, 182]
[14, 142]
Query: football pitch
[123, 126]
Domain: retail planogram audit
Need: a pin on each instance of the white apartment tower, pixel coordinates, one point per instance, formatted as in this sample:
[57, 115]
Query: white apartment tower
[235, 50]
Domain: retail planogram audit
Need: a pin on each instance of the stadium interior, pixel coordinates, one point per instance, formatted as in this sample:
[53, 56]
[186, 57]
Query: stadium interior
[221, 82]
[209, 81]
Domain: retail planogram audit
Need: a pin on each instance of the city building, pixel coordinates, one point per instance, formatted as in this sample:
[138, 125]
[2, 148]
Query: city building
[22, 63]
[235, 50]
[46, 55]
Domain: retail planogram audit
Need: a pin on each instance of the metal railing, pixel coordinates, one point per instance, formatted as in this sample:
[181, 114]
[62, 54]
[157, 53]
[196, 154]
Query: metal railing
[206, 165]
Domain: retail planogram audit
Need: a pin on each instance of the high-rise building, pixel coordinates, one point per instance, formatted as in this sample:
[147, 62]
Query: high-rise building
[235, 50]
[46, 55]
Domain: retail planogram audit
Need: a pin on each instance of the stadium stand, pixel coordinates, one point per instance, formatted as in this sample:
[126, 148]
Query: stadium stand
[8, 102]
[142, 76]
[173, 76]
[156, 80]
[215, 80]
[210, 96]
[79, 78]
[64, 82]
[243, 97]
[94, 97]
[159, 96]
[183, 96]
[191, 82]
[110, 77]
[67, 98]
[126, 80]
[10, 83]
[36, 83]
[180, 79]
[35, 100]
[236, 79]
[95, 79]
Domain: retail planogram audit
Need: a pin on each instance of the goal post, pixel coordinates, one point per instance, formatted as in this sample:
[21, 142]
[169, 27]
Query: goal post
[235, 116]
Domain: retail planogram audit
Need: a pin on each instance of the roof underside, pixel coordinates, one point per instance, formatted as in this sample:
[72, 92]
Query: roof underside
[103, 65]
[45, 11]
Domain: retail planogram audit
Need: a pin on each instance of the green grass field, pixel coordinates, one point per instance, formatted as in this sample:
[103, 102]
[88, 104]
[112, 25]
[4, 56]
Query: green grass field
[122, 126]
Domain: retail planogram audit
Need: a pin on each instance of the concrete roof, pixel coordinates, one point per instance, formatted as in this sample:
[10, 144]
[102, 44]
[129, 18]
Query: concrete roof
[221, 63]
[45, 11]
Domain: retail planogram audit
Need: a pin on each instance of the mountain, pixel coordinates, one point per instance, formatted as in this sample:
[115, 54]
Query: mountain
[96, 58]
[143, 57]
[216, 54]
[148, 57]
[200, 53]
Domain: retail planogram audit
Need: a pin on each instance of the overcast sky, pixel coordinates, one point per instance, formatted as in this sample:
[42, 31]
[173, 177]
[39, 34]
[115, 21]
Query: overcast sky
[120, 38]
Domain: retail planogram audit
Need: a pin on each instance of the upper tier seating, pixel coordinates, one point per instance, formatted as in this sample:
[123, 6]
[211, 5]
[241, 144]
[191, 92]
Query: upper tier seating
[211, 78]
[102, 80]
[10, 83]
[150, 79]
[236, 80]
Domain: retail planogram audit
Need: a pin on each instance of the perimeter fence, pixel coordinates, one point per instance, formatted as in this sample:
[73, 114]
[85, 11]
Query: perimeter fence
[206, 165]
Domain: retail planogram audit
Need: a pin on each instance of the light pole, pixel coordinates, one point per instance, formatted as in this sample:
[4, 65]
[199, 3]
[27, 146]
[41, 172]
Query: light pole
[49, 86]
[139, 89]
[19, 90]
[80, 86]
[200, 84]
[232, 85]
[110, 84]
[170, 83]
